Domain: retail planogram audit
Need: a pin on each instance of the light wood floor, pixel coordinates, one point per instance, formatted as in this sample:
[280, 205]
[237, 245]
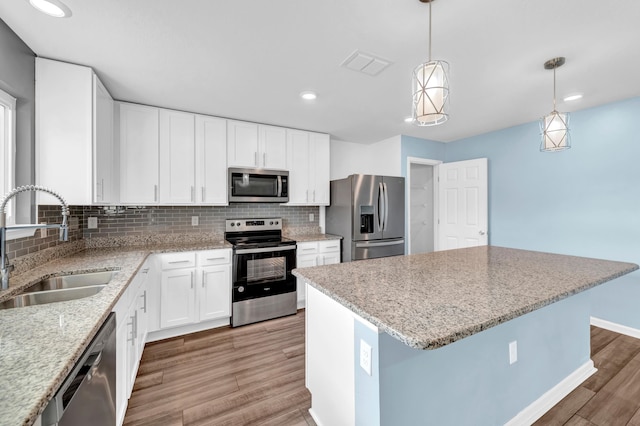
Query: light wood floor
[612, 395]
[254, 375]
[251, 375]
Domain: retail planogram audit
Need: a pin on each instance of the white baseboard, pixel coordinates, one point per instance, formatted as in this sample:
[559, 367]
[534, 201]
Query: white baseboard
[169, 333]
[618, 328]
[554, 395]
[314, 417]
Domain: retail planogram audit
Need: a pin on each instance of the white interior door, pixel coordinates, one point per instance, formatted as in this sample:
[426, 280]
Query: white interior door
[462, 189]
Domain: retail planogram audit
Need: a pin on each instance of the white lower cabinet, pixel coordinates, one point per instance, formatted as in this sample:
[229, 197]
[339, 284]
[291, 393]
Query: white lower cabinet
[195, 287]
[314, 253]
[131, 332]
[177, 297]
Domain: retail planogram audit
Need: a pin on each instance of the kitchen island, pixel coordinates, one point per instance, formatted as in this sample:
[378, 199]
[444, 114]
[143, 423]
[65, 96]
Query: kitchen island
[483, 335]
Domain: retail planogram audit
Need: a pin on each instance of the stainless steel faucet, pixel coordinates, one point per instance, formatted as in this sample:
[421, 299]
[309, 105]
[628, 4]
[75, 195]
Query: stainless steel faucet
[64, 228]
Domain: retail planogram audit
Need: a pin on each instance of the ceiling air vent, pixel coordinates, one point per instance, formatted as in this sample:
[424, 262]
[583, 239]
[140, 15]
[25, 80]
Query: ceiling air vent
[366, 63]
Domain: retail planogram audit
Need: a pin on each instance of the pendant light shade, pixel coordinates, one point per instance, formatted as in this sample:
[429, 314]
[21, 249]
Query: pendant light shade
[554, 127]
[430, 88]
[431, 93]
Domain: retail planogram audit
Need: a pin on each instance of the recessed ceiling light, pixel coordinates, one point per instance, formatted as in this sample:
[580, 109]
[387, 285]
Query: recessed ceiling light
[572, 97]
[54, 8]
[408, 120]
[308, 96]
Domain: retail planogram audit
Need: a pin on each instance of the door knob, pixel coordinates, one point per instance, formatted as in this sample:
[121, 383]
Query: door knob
[481, 232]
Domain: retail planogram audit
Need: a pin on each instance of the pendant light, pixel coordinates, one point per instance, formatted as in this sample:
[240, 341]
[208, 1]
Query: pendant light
[554, 128]
[430, 86]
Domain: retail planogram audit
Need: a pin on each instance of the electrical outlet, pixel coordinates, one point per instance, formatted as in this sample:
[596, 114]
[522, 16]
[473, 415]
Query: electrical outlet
[92, 222]
[195, 220]
[365, 356]
[513, 352]
[311, 217]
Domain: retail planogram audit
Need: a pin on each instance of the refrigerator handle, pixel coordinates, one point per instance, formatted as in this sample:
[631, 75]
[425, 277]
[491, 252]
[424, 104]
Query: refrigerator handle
[380, 207]
[386, 206]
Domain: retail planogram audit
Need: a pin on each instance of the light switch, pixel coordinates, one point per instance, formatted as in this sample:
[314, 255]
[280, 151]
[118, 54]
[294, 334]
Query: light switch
[195, 220]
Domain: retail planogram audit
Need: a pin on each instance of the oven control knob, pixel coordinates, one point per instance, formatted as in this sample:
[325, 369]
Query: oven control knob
[237, 223]
[276, 222]
[233, 224]
[241, 289]
[271, 223]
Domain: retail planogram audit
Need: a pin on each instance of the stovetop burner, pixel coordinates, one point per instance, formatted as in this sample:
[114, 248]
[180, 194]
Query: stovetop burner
[250, 233]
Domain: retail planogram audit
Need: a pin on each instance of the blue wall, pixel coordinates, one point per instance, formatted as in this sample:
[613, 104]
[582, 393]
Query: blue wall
[583, 201]
[470, 382]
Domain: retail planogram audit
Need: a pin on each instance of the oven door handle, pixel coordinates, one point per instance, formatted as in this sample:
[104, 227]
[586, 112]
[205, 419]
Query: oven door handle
[265, 249]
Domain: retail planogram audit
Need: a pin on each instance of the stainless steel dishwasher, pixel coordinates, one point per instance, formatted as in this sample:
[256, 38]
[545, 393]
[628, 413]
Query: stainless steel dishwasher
[88, 395]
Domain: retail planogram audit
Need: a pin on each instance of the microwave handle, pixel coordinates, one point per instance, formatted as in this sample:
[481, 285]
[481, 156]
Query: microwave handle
[279, 186]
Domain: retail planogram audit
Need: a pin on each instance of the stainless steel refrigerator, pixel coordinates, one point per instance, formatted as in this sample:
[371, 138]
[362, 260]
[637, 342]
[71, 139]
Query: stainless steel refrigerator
[368, 212]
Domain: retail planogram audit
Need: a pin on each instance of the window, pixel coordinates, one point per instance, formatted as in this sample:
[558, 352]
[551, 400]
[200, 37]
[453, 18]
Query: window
[7, 149]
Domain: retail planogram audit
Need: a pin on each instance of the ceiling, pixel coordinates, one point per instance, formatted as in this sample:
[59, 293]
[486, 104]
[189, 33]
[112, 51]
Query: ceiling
[250, 59]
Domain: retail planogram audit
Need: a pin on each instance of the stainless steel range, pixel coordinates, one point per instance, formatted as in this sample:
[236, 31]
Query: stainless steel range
[263, 285]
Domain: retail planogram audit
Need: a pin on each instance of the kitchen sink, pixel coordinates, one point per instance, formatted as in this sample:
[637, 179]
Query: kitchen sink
[71, 281]
[60, 289]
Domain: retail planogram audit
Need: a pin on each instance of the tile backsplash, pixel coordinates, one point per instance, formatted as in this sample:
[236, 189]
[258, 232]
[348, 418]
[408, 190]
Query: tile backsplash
[153, 220]
[121, 221]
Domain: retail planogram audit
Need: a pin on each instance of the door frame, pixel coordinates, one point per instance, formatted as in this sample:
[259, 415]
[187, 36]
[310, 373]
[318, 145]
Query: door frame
[436, 197]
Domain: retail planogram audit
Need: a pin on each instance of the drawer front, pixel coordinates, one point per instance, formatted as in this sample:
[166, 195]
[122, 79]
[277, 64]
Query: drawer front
[329, 246]
[307, 248]
[214, 257]
[177, 260]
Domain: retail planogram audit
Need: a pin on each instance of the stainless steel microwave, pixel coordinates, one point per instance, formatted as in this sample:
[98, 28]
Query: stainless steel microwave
[258, 186]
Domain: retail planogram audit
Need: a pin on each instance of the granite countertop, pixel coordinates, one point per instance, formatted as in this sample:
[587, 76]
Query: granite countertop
[39, 345]
[302, 238]
[430, 300]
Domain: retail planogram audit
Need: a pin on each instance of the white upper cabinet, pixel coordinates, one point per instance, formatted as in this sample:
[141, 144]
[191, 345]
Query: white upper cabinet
[272, 148]
[211, 160]
[74, 139]
[308, 157]
[256, 146]
[105, 163]
[139, 154]
[177, 157]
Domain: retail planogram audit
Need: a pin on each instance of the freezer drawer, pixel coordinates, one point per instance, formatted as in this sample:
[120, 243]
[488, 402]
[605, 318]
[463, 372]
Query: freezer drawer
[361, 250]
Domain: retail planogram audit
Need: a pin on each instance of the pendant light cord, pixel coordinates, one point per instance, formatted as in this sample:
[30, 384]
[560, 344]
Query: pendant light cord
[430, 30]
[554, 87]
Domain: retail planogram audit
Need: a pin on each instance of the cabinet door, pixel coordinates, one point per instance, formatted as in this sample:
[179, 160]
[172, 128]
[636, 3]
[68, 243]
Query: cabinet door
[298, 160]
[143, 318]
[211, 160]
[132, 348]
[273, 148]
[242, 144]
[104, 167]
[177, 157]
[319, 168]
[307, 261]
[214, 292]
[64, 131]
[177, 298]
[122, 374]
[138, 154]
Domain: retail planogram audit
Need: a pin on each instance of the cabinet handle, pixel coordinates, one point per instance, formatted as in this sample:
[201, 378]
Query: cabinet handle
[264, 159]
[203, 194]
[173, 262]
[193, 194]
[155, 193]
[204, 277]
[144, 297]
[314, 195]
[134, 327]
[255, 158]
[216, 258]
[307, 195]
[307, 249]
[192, 280]
[102, 189]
